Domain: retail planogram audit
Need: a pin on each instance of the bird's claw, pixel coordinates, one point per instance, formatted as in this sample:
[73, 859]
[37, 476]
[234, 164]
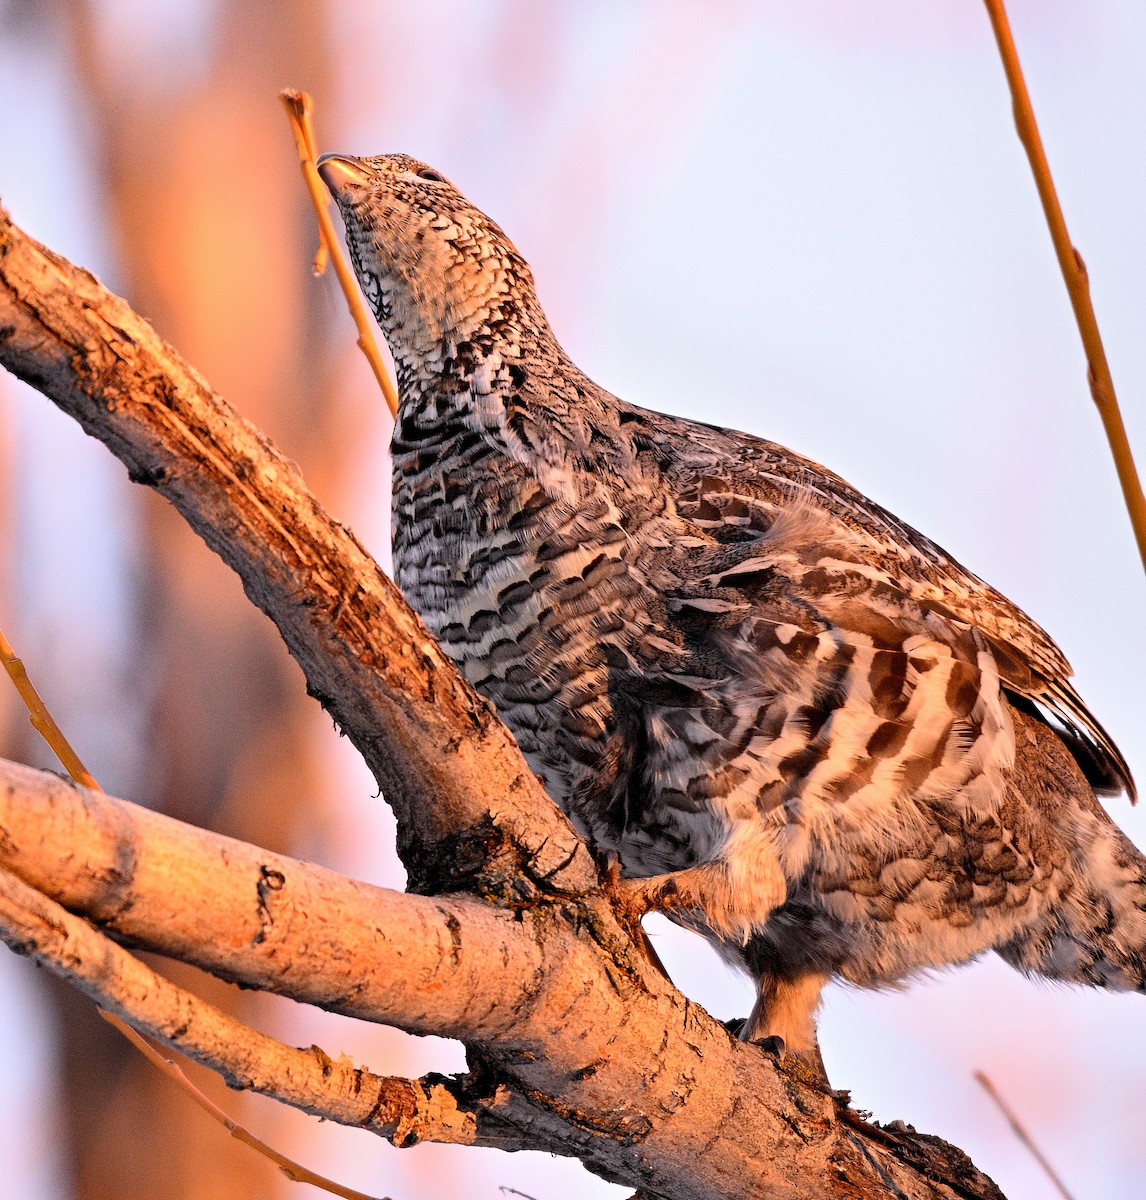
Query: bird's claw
[638, 897]
[612, 871]
[773, 1046]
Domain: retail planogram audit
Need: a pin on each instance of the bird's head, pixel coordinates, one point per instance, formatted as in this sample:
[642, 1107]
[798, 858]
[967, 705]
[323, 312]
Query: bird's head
[436, 270]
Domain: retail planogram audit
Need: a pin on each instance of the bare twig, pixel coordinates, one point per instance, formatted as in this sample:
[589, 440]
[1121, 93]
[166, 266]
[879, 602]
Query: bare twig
[295, 1172]
[42, 720]
[1021, 1133]
[298, 106]
[1075, 275]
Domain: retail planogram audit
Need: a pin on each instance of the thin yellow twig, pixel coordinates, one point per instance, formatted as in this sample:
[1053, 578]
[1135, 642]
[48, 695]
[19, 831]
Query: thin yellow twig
[45, 723]
[41, 719]
[302, 109]
[291, 1169]
[1020, 1132]
[298, 106]
[1075, 275]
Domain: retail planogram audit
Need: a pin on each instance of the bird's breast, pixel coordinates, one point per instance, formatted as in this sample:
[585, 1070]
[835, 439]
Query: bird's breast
[524, 590]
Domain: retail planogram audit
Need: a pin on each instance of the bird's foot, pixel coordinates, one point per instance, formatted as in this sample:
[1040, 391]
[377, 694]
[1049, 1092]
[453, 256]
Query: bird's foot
[772, 1045]
[806, 1064]
[611, 871]
[631, 902]
[636, 898]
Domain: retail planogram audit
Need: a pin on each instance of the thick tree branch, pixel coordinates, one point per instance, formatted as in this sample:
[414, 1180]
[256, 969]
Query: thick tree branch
[451, 965]
[464, 797]
[588, 1051]
[578, 1043]
[402, 1110]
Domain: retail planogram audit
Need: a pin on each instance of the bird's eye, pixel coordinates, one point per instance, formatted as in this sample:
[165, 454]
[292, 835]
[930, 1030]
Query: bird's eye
[431, 175]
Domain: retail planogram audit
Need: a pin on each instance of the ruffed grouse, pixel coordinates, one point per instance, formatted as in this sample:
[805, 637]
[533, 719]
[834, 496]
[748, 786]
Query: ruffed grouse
[850, 756]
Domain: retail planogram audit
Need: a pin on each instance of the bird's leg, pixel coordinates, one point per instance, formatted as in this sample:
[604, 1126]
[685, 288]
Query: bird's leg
[785, 1010]
[695, 888]
[729, 901]
[635, 898]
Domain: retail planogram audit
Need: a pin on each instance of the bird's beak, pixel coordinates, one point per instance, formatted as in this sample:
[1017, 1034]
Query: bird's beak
[340, 172]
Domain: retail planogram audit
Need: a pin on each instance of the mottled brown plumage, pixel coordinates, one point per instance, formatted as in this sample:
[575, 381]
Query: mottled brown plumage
[834, 749]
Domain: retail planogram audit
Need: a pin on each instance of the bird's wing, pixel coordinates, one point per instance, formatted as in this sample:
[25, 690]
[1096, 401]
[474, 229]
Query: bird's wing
[738, 488]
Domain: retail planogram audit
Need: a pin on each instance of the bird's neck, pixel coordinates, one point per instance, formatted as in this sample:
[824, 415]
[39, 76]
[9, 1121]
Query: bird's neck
[469, 369]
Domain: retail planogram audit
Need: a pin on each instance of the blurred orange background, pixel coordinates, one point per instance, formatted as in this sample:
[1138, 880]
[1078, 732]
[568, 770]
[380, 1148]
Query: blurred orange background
[809, 220]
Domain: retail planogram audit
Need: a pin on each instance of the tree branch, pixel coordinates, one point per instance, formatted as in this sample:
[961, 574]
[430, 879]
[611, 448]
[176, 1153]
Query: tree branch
[577, 1042]
[581, 1046]
[402, 1110]
[465, 800]
[1074, 275]
[265, 920]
